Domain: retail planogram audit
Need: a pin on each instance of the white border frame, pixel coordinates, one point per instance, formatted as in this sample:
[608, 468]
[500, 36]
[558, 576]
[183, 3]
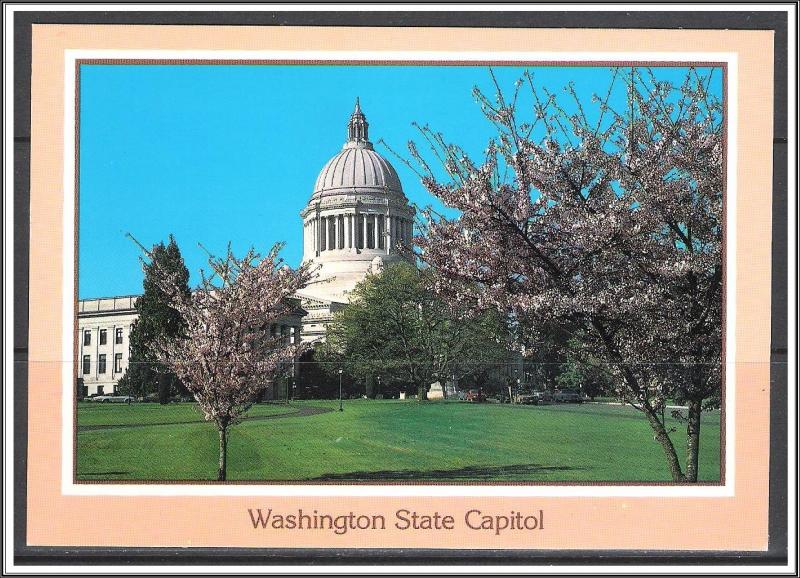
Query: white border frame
[68, 486]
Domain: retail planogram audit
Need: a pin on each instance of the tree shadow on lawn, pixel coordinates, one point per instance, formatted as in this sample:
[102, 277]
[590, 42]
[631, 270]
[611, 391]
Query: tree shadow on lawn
[467, 473]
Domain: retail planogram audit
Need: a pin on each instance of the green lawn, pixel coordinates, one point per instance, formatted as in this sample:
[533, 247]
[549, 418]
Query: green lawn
[385, 440]
[92, 414]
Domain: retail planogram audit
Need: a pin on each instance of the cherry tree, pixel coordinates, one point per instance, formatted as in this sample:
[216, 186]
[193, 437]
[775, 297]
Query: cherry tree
[227, 355]
[606, 221]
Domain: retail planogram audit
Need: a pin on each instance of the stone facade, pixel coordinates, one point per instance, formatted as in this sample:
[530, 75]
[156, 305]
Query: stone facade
[104, 327]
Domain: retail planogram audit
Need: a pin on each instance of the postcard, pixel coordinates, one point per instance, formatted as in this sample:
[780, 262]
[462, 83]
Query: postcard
[341, 289]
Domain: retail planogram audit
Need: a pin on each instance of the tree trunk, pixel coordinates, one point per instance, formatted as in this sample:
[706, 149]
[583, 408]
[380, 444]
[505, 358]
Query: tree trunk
[662, 437]
[422, 393]
[693, 440]
[223, 454]
[163, 389]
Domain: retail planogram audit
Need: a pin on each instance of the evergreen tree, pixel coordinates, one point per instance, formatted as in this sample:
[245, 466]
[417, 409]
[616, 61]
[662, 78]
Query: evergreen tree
[157, 319]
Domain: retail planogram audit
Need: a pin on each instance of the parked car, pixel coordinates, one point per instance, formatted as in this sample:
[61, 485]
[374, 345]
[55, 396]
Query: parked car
[567, 396]
[112, 399]
[542, 397]
[535, 397]
[527, 398]
[475, 396]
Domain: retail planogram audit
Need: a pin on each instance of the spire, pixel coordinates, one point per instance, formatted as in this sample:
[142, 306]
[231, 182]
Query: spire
[358, 127]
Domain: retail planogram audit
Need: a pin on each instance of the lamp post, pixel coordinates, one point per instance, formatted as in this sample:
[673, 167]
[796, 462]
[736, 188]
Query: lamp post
[379, 387]
[518, 381]
[340, 389]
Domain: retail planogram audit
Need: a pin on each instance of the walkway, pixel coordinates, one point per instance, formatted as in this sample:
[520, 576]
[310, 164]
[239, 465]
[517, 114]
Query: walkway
[303, 411]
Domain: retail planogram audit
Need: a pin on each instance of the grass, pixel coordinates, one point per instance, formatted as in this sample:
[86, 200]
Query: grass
[93, 414]
[387, 440]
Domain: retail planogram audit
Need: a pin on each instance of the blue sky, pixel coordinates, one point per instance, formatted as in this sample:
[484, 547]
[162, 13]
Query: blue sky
[214, 153]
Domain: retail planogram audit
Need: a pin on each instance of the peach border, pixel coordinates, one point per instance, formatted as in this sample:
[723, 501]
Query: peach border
[737, 523]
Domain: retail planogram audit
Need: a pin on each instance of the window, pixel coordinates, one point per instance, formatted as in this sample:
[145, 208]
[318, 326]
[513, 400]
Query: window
[103, 336]
[117, 363]
[87, 336]
[101, 363]
[118, 335]
[100, 390]
[87, 364]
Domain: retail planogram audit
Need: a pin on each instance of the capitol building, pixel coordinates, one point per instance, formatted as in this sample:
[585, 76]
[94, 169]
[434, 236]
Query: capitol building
[357, 220]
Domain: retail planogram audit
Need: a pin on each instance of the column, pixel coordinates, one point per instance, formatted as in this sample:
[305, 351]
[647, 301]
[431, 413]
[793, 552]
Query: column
[375, 232]
[110, 363]
[347, 230]
[340, 223]
[97, 357]
[350, 234]
[326, 226]
[355, 229]
[336, 231]
[389, 230]
[364, 232]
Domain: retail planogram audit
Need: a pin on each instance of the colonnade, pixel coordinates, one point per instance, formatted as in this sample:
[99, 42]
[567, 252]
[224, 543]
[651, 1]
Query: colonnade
[345, 231]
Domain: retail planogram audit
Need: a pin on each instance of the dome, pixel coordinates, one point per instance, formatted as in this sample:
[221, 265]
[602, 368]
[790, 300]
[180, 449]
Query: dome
[357, 166]
[357, 219]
